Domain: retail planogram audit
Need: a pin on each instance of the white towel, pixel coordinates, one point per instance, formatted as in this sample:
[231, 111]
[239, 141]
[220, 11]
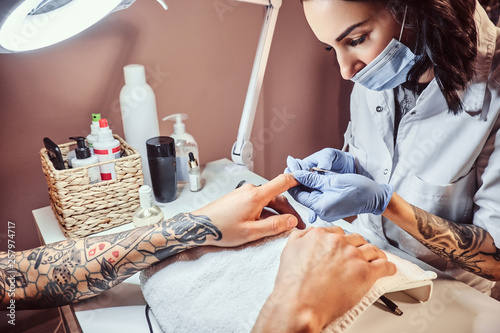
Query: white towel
[210, 289]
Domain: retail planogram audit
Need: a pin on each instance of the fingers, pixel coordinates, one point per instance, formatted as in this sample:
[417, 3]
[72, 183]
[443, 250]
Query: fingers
[307, 198]
[370, 252]
[266, 213]
[355, 239]
[335, 230]
[379, 266]
[296, 164]
[277, 186]
[272, 225]
[309, 179]
[294, 192]
[282, 206]
[367, 251]
[326, 162]
[292, 164]
[382, 267]
[312, 216]
[296, 234]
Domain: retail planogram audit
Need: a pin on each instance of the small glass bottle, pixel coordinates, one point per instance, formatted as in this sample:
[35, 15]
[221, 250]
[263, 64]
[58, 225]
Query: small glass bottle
[194, 174]
[148, 213]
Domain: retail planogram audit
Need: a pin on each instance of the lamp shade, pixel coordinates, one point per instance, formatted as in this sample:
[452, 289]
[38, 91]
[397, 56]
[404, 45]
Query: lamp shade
[33, 24]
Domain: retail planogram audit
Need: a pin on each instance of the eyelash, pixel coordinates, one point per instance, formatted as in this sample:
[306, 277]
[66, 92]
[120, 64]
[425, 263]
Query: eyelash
[356, 42]
[352, 43]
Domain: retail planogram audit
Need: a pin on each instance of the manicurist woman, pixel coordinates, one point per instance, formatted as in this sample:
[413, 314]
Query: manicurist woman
[423, 167]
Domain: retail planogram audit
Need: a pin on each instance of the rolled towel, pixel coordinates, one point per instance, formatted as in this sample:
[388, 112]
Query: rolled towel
[210, 289]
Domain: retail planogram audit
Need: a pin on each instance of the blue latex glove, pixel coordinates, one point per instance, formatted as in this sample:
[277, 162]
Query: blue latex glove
[337, 196]
[328, 159]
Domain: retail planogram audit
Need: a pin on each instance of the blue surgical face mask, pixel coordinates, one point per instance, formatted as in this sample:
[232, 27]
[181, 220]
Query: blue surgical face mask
[389, 69]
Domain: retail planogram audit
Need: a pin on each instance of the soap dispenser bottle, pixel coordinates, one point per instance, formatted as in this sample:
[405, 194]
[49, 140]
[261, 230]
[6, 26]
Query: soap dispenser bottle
[91, 138]
[184, 144]
[84, 158]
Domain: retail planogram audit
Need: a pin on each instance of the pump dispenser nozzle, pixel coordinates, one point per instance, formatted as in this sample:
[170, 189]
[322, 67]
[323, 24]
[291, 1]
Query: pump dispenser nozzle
[179, 126]
[82, 150]
[94, 127]
[84, 158]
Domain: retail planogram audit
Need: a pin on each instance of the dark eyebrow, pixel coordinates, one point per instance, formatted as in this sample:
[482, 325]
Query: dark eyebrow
[349, 30]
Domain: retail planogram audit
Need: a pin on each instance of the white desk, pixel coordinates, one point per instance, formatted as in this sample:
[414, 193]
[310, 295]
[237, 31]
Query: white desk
[453, 307]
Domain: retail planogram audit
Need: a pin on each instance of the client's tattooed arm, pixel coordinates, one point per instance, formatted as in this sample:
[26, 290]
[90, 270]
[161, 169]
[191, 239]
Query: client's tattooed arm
[467, 246]
[75, 269]
[72, 270]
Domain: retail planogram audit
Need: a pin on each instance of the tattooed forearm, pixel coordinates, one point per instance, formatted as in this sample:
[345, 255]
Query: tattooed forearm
[69, 271]
[467, 246]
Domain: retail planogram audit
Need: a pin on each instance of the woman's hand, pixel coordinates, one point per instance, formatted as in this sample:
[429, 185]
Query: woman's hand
[336, 196]
[330, 159]
[241, 215]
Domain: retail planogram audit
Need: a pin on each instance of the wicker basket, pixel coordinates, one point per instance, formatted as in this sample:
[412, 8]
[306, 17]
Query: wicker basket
[83, 209]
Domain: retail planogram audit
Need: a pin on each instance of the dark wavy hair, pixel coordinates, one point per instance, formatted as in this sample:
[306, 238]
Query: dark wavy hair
[446, 37]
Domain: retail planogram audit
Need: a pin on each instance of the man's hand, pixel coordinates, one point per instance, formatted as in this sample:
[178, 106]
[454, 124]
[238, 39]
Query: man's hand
[241, 215]
[323, 273]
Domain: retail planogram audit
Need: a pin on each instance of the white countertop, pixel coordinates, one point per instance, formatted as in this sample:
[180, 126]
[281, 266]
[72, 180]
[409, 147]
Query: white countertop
[453, 307]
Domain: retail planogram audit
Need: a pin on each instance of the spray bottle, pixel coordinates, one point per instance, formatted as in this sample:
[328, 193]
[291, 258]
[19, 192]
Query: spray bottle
[184, 143]
[106, 148]
[94, 129]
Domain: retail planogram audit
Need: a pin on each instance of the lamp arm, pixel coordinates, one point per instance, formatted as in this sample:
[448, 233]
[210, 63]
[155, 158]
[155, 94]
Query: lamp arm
[242, 151]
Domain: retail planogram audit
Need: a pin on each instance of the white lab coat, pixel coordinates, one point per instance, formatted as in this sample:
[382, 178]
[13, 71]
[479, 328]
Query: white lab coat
[445, 164]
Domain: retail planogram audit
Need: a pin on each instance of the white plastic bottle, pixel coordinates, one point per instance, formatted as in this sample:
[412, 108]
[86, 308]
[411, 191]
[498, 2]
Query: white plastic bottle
[106, 148]
[84, 158]
[139, 115]
[94, 129]
[184, 144]
[148, 213]
[71, 156]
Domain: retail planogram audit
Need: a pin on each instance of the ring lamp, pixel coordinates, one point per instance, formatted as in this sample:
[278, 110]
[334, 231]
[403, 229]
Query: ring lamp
[27, 25]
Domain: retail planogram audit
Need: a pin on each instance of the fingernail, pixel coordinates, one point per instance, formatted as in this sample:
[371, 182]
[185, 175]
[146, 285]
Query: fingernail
[290, 222]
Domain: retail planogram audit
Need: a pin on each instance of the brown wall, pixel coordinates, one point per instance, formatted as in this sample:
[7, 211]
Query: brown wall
[198, 56]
